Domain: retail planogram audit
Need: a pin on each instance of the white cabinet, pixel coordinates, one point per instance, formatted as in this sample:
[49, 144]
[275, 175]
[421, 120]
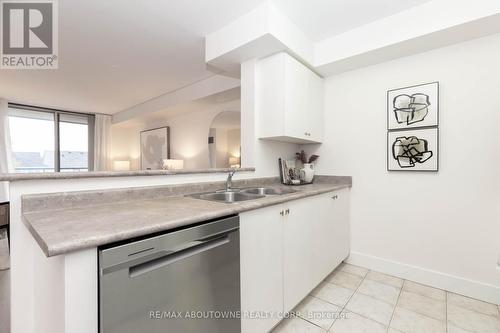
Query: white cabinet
[290, 101]
[287, 250]
[332, 229]
[261, 267]
[316, 238]
[298, 242]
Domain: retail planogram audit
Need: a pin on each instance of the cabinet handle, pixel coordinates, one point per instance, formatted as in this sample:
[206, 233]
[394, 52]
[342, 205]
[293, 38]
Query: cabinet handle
[287, 211]
[335, 197]
[282, 213]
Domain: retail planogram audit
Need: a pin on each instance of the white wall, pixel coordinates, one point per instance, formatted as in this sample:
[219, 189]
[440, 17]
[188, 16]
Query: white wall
[227, 144]
[125, 144]
[234, 142]
[188, 136]
[446, 222]
[221, 141]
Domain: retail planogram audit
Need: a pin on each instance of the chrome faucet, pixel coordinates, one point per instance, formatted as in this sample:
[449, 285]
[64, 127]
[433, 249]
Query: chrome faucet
[229, 180]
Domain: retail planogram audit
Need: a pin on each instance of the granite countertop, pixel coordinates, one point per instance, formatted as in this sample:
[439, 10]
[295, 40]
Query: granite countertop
[11, 177]
[67, 222]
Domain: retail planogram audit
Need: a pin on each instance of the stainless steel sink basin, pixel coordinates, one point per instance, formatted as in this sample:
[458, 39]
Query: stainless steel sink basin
[227, 197]
[236, 195]
[268, 191]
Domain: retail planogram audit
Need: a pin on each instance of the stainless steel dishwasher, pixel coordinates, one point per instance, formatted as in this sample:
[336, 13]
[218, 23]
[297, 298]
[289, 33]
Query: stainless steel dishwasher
[186, 281]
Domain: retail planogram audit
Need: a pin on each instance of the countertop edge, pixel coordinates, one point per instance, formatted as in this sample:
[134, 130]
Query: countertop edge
[43, 245]
[12, 177]
[231, 209]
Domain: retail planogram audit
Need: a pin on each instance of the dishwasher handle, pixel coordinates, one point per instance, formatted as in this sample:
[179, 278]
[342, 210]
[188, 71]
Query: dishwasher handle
[187, 250]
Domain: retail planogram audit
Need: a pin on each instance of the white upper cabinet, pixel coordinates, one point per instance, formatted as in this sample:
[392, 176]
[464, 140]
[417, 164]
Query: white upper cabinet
[290, 101]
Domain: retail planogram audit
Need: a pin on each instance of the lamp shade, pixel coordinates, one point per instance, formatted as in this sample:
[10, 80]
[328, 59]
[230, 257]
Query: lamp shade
[170, 164]
[121, 165]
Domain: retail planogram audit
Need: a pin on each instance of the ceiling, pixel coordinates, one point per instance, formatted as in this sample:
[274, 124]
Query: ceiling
[227, 120]
[115, 54]
[206, 103]
[320, 19]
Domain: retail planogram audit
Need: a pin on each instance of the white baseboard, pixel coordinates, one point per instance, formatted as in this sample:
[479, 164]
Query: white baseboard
[475, 289]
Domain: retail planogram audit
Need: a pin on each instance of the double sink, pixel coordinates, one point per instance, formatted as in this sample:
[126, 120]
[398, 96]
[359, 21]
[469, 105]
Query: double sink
[236, 195]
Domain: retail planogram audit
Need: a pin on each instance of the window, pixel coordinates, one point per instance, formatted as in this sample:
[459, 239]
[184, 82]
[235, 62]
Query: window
[46, 140]
[32, 139]
[73, 143]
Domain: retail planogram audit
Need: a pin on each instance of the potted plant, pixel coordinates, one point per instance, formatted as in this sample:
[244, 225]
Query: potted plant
[307, 172]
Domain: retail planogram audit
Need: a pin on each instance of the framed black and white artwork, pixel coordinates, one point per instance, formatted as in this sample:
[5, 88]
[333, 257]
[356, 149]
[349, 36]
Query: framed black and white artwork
[155, 147]
[413, 150]
[415, 106]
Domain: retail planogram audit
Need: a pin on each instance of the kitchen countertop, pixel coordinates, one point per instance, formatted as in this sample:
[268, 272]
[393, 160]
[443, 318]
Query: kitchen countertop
[67, 222]
[11, 177]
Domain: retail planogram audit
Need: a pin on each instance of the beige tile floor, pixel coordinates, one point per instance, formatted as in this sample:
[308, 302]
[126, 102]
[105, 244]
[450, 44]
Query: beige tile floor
[354, 299]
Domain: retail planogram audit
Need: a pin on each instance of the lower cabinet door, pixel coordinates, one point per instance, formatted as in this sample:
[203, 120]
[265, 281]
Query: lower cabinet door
[285, 252]
[261, 258]
[298, 240]
[332, 233]
[339, 238]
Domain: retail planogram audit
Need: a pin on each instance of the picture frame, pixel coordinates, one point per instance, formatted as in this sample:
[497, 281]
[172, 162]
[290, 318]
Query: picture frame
[413, 106]
[155, 147]
[415, 149]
